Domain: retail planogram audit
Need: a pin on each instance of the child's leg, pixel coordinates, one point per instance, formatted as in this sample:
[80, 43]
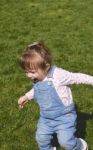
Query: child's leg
[66, 133]
[44, 136]
[68, 141]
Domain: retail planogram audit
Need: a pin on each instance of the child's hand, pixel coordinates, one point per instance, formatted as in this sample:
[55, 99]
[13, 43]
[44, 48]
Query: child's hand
[22, 101]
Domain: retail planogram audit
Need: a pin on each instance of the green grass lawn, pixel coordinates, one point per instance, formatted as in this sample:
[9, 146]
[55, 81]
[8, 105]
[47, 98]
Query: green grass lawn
[66, 26]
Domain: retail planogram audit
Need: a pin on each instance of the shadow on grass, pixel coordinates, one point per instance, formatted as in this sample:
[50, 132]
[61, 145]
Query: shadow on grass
[81, 123]
[81, 126]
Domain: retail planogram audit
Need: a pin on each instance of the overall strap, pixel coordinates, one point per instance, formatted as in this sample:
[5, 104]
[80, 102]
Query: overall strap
[51, 71]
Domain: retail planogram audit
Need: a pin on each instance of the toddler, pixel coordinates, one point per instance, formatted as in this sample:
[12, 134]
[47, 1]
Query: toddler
[52, 92]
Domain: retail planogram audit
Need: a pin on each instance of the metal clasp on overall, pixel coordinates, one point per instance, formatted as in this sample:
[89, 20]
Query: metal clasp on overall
[49, 81]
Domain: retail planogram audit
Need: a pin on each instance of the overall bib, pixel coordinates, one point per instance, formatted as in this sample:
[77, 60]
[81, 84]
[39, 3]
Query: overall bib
[54, 117]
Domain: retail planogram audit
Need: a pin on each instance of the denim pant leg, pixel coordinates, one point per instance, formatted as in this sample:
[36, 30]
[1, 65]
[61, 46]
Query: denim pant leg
[68, 141]
[44, 136]
[66, 132]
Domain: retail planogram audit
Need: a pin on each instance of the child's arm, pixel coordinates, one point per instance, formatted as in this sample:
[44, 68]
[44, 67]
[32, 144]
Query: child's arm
[68, 78]
[24, 99]
[80, 78]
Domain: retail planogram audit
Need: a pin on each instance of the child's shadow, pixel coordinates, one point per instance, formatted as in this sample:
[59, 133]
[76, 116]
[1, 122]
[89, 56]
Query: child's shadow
[81, 123]
[81, 126]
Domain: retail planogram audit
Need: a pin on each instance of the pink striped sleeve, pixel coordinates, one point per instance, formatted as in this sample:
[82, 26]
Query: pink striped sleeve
[68, 78]
[30, 94]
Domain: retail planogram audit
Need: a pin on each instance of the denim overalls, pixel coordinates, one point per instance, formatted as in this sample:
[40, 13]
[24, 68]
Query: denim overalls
[54, 117]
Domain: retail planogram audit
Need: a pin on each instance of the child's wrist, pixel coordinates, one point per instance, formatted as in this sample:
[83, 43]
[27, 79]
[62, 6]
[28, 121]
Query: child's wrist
[26, 98]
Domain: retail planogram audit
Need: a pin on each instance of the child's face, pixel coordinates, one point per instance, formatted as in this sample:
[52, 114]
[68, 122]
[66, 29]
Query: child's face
[35, 75]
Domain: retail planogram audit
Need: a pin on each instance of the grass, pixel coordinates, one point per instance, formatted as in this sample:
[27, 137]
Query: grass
[67, 28]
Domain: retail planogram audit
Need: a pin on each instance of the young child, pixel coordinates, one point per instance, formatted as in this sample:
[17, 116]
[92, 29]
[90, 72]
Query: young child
[52, 92]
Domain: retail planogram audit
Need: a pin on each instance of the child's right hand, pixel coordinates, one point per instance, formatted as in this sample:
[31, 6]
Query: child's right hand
[22, 101]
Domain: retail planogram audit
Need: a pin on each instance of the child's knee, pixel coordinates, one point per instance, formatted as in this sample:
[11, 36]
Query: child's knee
[42, 139]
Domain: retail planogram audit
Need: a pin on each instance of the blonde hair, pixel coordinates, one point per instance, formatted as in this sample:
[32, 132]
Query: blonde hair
[35, 56]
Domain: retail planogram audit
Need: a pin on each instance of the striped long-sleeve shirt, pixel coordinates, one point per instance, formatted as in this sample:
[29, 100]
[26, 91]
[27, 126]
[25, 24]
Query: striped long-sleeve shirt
[61, 80]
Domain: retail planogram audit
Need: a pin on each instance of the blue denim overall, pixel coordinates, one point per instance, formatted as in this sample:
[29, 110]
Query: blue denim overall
[54, 117]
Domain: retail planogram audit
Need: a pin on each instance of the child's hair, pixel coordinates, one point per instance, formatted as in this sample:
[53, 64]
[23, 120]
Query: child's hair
[35, 56]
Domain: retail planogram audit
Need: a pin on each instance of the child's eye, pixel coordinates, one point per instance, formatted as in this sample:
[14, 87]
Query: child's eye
[32, 71]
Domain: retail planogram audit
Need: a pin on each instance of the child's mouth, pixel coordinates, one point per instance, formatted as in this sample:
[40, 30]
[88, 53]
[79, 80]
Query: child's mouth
[35, 80]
